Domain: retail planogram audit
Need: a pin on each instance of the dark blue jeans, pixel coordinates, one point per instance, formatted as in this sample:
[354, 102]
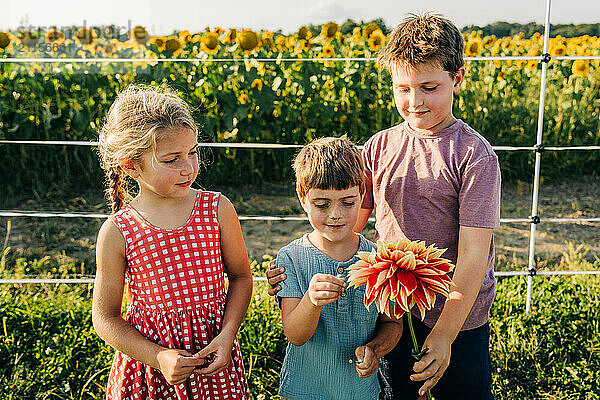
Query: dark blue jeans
[469, 375]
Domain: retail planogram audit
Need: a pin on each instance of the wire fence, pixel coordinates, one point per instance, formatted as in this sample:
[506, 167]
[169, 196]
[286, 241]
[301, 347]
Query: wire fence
[538, 148]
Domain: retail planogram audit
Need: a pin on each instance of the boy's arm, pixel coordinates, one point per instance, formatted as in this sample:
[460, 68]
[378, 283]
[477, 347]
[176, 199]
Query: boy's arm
[387, 335]
[473, 252]
[300, 316]
[363, 217]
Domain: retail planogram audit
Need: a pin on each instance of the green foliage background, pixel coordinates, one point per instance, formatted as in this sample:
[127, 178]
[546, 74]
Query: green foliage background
[295, 102]
[49, 350]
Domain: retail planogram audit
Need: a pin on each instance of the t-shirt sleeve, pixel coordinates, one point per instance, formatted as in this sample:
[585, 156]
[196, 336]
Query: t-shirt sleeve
[290, 287]
[479, 197]
[368, 201]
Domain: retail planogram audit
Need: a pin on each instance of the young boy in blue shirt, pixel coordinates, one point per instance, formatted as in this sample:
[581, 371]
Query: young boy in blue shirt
[335, 341]
[434, 178]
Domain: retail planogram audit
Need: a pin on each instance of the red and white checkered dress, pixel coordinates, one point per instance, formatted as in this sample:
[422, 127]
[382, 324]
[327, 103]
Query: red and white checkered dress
[178, 300]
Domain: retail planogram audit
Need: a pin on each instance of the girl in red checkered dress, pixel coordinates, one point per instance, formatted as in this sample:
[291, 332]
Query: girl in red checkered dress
[174, 244]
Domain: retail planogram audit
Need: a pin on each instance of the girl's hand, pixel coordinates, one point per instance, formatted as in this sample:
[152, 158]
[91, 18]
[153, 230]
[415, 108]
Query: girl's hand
[368, 366]
[324, 289]
[218, 351]
[177, 365]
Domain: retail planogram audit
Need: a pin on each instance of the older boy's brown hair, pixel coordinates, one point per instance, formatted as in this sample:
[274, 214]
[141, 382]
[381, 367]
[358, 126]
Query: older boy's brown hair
[329, 163]
[422, 38]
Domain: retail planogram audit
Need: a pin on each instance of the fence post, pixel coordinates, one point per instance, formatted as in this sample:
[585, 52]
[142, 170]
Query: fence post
[535, 219]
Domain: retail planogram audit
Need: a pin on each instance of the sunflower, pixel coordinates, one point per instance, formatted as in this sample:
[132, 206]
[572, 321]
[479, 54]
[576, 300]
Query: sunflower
[303, 45]
[173, 45]
[327, 51]
[210, 43]
[290, 42]
[407, 273]
[368, 29]
[248, 40]
[185, 37]
[159, 41]
[559, 50]
[55, 36]
[304, 33]
[243, 98]
[257, 83]
[4, 40]
[28, 38]
[85, 36]
[267, 35]
[230, 37]
[580, 67]
[140, 35]
[109, 50]
[472, 48]
[329, 30]
[376, 40]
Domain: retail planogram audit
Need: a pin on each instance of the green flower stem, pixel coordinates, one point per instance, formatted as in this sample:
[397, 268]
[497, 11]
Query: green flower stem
[415, 345]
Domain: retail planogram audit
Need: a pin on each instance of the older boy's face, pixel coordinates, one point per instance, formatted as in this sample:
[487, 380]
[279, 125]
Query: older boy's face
[333, 213]
[424, 94]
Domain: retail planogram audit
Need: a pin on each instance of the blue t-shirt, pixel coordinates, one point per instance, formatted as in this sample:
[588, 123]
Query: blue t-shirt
[319, 369]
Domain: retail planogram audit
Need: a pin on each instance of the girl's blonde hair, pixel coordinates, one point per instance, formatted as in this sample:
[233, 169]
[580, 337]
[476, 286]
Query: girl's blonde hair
[134, 123]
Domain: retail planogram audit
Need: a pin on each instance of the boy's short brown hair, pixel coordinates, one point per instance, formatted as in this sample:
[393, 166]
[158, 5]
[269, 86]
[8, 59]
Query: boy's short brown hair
[329, 163]
[422, 38]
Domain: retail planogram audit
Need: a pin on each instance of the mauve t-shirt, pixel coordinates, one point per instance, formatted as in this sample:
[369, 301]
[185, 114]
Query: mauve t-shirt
[424, 186]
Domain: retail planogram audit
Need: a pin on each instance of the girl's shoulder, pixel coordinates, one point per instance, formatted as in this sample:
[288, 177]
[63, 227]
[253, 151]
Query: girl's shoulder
[110, 235]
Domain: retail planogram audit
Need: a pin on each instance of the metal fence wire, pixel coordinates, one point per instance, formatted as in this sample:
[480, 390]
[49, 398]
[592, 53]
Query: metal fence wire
[538, 148]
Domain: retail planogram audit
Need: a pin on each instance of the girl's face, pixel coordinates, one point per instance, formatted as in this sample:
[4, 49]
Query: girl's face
[170, 171]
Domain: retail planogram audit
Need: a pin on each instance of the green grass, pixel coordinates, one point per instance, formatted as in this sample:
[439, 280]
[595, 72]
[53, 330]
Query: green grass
[49, 350]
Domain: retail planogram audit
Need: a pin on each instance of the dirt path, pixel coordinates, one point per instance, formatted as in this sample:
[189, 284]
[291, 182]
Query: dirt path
[73, 240]
[567, 200]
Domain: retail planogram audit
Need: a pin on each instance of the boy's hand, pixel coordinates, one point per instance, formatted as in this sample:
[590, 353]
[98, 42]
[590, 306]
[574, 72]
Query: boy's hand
[177, 365]
[368, 366]
[218, 351]
[274, 276]
[434, 363]
[324, 289]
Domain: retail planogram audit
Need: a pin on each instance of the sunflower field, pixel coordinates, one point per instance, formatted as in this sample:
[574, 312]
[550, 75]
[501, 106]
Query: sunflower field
[238, 96]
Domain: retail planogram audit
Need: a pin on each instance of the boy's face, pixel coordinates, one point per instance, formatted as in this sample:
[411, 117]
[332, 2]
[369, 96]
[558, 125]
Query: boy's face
[333, 213]
[424, 94]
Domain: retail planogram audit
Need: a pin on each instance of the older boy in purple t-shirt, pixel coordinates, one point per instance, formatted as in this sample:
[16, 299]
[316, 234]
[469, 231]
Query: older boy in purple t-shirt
[434, 178]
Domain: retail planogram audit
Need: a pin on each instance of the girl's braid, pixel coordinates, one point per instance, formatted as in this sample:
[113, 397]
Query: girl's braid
[114, 191]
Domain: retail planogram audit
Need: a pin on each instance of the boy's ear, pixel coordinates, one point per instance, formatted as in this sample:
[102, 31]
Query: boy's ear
[302, 201]
[458, 79]
[129, 167]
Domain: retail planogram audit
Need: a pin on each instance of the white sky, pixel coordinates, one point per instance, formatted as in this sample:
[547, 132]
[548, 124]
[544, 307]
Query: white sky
[162, 17]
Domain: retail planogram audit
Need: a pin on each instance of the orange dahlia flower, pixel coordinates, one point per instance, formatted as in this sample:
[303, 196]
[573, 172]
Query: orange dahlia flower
[406, 273]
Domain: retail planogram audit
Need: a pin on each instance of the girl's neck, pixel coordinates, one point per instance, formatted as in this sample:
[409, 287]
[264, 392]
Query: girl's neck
[165, 213]
[341, 251]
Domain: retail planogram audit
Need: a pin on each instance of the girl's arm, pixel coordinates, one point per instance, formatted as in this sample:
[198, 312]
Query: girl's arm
[176, 365]
[300, 316]
[237, 267]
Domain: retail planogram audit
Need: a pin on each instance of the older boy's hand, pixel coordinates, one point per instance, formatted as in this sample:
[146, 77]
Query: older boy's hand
[324, 289]
[274, 276]
[434, 363]
[368, 366]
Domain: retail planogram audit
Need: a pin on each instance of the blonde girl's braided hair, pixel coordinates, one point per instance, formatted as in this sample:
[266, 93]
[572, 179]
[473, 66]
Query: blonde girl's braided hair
[134, 123]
